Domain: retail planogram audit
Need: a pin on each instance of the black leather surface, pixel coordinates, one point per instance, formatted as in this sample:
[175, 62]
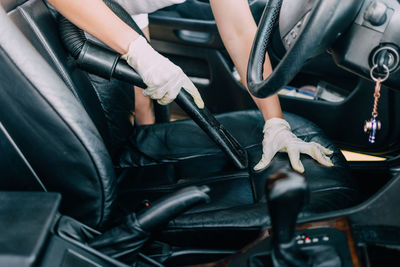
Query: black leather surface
[52, 128]
[164, 143]
[11, 4]
[59, 125]
[136, 229]
[21, 176]
[118, 102]
[36, 23]
[182, 161]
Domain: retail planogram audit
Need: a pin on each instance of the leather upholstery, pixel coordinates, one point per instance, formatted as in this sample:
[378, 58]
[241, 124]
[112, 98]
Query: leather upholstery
[198, 160]
[11, 4]
[34, 20]
[51, 128]
[53, 114]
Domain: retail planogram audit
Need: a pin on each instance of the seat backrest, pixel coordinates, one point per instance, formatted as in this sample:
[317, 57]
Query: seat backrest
[35, 21]
[54, 128]
[108, 103]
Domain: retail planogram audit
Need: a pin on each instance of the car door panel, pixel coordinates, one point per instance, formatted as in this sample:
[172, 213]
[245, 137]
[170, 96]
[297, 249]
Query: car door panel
[195, 45]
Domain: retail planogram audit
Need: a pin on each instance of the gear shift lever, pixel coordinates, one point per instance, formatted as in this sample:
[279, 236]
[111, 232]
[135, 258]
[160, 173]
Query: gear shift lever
[286, 194]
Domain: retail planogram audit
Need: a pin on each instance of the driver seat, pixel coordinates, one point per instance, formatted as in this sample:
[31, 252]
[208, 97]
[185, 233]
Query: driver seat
[54, 136]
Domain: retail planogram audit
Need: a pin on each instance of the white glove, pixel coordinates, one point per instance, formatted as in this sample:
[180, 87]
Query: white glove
[164, 79]
[135, 7]
[278, 137]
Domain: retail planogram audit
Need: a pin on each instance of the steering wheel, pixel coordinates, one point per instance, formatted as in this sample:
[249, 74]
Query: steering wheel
[308, 27]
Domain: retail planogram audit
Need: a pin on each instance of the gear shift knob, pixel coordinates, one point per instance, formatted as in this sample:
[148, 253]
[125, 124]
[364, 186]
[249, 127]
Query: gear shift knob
[286, 194]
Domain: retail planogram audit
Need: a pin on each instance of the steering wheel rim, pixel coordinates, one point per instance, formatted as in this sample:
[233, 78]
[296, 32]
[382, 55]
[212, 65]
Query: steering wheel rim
[323, 23]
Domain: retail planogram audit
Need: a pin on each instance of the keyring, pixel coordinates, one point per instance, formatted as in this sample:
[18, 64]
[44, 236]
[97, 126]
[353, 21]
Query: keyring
[382, 79]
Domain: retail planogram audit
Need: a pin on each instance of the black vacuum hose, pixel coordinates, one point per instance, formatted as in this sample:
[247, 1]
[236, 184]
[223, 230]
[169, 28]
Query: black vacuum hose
[74, 38]
[102, 61]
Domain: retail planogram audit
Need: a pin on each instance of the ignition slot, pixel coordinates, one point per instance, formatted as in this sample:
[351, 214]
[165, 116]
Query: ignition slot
[385, 55]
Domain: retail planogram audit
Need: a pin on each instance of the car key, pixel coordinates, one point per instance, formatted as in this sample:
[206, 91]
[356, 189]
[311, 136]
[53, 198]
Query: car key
[373, 125]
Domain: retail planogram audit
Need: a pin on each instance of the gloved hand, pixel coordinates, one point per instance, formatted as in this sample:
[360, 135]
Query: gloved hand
[163, 78]
[135, 7]
[278, 137]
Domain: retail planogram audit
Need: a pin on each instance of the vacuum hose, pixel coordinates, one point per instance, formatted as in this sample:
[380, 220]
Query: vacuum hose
[102, 61]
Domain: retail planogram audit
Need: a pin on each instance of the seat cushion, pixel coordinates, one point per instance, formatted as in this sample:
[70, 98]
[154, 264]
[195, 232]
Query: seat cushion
[178, 154]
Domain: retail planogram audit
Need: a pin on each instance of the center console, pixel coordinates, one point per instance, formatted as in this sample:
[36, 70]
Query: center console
[327, 243]
[27, 221]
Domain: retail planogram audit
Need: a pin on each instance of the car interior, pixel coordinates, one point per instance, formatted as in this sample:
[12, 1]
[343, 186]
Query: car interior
[81, 186]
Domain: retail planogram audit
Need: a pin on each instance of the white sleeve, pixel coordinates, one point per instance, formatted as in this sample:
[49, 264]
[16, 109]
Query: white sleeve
[142, 20]
[146, 6]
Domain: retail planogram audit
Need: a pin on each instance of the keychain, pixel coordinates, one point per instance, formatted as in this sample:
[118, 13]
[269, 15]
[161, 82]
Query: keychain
[374, 125]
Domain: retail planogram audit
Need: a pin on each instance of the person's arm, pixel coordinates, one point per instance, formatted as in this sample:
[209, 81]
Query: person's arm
[164, 79]
[94, 17]
[238, 29]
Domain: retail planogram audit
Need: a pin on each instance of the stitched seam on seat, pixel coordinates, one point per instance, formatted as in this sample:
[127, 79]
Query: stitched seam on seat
[59, 67]
[64, 76]
[22, 156]
[46, 47]
[183, 229]
[67, 124]
[332, 189]
[174, 186]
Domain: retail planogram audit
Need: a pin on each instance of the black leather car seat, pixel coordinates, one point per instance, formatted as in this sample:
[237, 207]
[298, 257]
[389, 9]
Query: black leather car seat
[51, 113]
